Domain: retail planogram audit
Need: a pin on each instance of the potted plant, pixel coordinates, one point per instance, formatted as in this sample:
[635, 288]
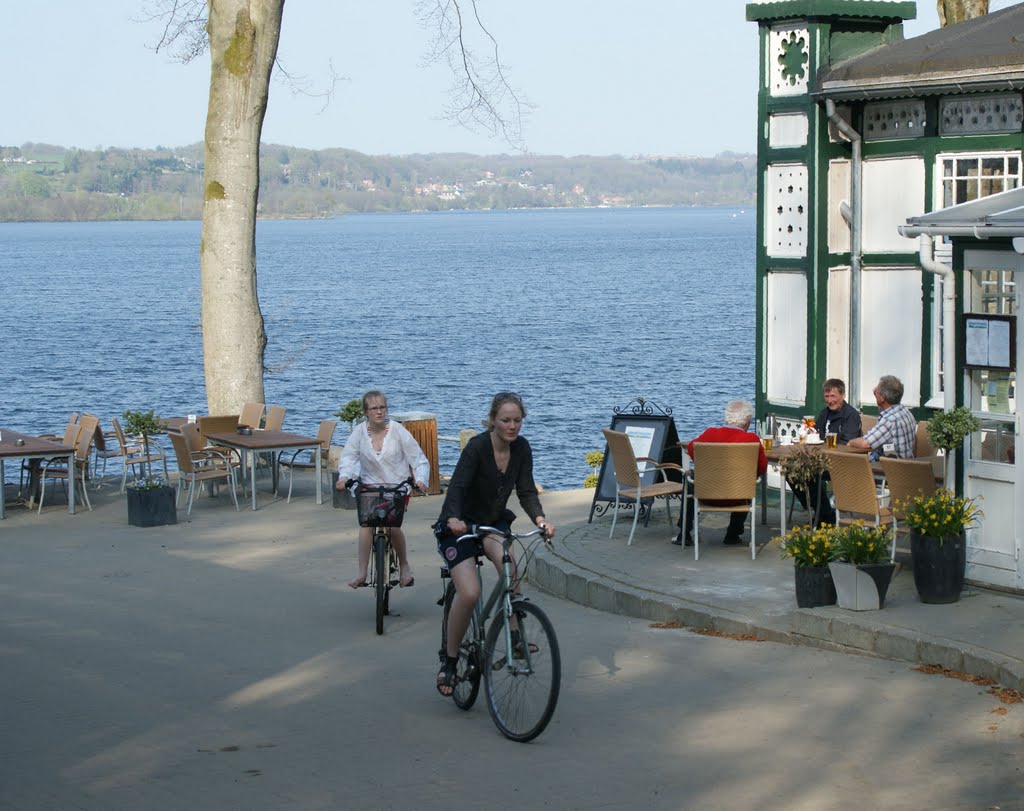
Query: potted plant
[860, 566]
[350, 412]
[151, 501]
[801, 469]
[947, 431]
[594, 460]
[811, 549]
[938, 523]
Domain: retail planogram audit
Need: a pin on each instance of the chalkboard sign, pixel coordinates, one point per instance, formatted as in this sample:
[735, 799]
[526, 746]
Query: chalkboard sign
[652, 432]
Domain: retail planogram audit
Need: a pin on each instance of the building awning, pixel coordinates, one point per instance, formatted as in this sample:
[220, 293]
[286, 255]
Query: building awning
[997, 215]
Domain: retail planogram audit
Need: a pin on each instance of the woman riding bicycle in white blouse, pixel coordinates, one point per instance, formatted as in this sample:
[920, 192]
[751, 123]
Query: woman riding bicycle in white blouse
[380, 451]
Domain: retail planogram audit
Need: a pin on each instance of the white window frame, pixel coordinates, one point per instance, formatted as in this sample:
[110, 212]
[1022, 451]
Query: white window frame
[943, 250]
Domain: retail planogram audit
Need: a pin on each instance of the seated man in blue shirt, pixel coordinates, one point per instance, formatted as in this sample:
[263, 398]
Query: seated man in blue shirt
[895, 432]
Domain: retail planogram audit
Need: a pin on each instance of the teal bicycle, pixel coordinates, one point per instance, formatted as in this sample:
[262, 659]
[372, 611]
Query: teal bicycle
[515, 653]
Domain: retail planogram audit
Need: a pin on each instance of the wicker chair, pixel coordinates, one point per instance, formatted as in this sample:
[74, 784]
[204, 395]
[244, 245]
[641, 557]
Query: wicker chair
[30, 467]
[57, 467]
[324, 436]
[220, 425]
[724, 481]
[275, 418]
[907, 479]
[855, 492]
[629, 474]
[251, 416]
[196, 468]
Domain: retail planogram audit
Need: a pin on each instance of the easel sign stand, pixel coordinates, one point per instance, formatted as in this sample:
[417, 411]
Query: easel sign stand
[652, 430]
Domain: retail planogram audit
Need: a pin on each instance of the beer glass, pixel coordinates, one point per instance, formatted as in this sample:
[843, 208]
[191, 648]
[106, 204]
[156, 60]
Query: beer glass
[831, 440]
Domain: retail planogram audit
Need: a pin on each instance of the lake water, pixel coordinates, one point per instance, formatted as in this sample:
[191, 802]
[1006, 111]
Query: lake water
[578, 310]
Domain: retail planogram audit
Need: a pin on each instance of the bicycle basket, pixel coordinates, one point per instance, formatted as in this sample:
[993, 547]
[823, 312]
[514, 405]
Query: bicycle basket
[380, 507]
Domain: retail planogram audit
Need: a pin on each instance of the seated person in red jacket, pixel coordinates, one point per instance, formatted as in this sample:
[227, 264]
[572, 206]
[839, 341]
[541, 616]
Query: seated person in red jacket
[738, 414]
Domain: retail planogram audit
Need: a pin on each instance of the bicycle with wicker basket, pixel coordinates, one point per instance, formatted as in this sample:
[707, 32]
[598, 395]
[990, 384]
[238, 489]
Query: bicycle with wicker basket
[516, 653]
[381, 507]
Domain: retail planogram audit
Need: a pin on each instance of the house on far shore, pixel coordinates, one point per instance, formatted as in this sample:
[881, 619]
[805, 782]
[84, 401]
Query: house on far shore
[864, 139]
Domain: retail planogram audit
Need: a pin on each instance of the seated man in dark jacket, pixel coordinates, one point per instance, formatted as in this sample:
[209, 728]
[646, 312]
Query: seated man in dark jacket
[843, 420]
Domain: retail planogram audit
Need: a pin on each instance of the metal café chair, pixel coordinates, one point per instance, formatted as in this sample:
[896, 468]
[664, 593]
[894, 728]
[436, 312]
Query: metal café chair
[629, 472]
[323, 435]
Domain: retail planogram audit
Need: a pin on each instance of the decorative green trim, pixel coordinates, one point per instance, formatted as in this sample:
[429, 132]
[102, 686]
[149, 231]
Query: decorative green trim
[881, 9]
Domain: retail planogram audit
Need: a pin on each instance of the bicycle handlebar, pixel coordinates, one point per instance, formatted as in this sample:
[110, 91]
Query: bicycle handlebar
[408, 483]
[480, 530]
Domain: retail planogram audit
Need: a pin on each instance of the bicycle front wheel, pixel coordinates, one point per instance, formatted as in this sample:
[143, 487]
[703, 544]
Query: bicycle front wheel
[522, 683]
[380, 581]
[468, 669]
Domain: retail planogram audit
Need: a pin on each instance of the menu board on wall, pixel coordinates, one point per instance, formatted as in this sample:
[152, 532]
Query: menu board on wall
[989, 341]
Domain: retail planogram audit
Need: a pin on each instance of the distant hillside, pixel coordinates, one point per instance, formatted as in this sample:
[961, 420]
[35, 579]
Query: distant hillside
[40, 182]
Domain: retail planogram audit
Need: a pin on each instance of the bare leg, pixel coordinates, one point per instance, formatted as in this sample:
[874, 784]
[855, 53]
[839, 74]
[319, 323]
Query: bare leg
[467, 592]
[405, 577]
[365, 537]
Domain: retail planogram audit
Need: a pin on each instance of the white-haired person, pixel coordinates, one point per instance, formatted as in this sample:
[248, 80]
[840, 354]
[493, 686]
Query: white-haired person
[738, 414]
[380, 451]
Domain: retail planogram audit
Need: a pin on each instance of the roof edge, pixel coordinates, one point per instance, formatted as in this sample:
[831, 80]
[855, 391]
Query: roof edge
[787, 9]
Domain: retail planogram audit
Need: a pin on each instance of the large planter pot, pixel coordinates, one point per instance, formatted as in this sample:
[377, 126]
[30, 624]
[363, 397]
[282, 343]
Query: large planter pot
[152, 508]
[814, 586]
[939, 567]
[861, 586]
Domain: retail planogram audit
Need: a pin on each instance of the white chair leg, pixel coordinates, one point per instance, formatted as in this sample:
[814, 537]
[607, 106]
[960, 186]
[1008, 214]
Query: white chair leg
[636, 517]
[85, 490]
[753, 528]
[234, 493]
[615, 512]
[696, 529]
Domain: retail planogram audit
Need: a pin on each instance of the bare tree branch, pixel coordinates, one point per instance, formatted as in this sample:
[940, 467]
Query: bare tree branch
[482, 97]
[184, 37]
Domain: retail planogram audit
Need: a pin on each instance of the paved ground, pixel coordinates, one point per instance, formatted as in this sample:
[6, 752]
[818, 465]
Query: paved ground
[223, 663]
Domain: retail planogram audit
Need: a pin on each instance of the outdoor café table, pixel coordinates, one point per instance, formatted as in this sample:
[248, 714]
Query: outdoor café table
[780, 452]
[33, 448]
[260, 441]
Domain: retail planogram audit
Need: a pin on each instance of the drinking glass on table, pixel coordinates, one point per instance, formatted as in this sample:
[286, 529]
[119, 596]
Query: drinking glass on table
[766, 443]
[831, 440]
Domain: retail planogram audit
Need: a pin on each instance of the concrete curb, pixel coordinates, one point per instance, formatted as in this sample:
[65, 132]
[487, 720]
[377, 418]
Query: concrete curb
[830, 628]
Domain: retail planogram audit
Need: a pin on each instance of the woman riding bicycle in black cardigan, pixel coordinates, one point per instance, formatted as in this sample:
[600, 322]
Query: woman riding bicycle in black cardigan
[493, 464]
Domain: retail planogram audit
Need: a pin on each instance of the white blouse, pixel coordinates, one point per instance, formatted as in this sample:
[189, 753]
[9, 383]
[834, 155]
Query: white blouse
[399, 452]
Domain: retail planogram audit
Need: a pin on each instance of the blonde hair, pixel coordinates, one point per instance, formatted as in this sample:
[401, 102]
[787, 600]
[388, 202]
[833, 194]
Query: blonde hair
[500, 399]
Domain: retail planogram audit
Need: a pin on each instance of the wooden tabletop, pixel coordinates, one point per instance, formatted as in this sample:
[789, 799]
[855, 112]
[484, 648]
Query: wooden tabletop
[33, 445]
[260, 440]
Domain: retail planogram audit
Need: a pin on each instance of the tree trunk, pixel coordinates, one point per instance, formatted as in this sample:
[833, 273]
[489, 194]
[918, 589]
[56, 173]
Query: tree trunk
[958, 11]
[243, 39]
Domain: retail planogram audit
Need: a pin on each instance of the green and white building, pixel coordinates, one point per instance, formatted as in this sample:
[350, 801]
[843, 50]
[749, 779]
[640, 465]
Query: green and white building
[863, 139]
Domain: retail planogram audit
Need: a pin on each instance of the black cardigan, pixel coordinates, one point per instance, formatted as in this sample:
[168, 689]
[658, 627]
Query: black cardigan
[478, 493]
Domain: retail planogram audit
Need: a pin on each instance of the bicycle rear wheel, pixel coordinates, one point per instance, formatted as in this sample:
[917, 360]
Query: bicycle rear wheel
[380, 580]
[468, 669]
[522, 684]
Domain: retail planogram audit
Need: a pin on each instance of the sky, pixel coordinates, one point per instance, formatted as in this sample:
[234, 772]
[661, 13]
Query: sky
[650, 77]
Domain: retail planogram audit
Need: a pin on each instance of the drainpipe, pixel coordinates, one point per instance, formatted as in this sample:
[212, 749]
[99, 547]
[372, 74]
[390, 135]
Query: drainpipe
[852, 213]
[927, 257]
